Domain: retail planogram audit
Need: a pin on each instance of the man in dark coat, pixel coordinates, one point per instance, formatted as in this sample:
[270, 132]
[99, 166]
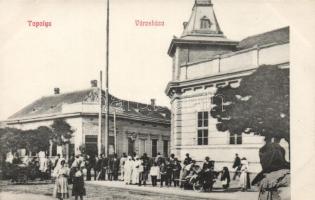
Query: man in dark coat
[187, 160]
[88, 167]
[209, 174]
[146, 167]
[113, 168]
[176, 172]
[237, 166]
[207, 165]
[105, 168]
[99, 167]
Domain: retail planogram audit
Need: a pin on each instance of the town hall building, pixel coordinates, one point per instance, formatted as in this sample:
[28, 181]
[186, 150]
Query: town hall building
[203, 60]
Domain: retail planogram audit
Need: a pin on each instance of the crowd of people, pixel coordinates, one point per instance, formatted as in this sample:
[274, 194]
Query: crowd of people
[169, 171]
[133, 169]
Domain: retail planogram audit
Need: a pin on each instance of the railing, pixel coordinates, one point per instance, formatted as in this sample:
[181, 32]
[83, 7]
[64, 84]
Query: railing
[245, 59]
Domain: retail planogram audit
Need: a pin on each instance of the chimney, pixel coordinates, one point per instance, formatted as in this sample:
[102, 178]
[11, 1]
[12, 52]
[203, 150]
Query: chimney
[153, 103]
[56, 90]
[93, 83]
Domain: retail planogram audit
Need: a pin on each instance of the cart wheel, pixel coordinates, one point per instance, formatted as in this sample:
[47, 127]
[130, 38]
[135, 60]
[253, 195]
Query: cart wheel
[197, 187]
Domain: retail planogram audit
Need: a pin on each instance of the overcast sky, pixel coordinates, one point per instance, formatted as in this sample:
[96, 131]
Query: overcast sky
[71, 52]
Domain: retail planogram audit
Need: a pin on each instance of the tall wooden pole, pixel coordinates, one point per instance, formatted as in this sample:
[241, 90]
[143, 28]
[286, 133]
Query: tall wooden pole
[99, 136]
[115, 133]
[107, 81]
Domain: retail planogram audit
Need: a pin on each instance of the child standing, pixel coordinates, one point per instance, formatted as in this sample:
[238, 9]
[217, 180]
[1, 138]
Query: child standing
[154, 172]
[163, 172]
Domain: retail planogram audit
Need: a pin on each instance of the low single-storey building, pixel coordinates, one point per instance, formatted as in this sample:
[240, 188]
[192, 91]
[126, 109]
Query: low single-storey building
[139, 127]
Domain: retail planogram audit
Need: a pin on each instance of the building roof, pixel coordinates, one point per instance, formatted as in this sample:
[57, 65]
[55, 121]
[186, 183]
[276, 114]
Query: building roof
[53, 104]
[278, 36]
[202, 20]
[202, 28]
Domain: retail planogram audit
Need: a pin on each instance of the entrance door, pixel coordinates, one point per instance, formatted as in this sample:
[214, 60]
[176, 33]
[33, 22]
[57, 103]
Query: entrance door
[91, 145]
[131, 146]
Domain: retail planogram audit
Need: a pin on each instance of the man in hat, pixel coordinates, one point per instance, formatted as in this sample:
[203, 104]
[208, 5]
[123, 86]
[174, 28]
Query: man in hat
[113, 168]
[236, 166]
[187, 160]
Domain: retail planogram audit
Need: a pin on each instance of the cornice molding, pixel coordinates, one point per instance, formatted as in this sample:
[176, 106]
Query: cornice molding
[216, 80]
[80, 114]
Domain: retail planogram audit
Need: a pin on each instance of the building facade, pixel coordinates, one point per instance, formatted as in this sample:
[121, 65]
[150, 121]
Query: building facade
[203, 60]
[140, 128]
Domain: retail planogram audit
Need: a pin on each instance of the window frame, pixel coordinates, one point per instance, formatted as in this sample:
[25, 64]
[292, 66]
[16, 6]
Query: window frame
[203, 128]
[235, 139]
[205, 23]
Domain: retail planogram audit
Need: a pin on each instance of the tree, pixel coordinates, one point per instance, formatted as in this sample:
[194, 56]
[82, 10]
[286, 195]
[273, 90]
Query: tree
[260, 105]
[62, 132]
[9, 140]
[39, 139]
[33, 140]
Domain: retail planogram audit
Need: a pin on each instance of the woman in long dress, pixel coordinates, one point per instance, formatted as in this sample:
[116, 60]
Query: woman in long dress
[244, 178]
[61, 190]
[135, 170]
[128, 170]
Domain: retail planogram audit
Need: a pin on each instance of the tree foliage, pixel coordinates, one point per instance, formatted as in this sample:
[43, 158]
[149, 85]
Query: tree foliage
[34, 140]
[9, 139]
[62, 132]
[260, 105]
[41, 139]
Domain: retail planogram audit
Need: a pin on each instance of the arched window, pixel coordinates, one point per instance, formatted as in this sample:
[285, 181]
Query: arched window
[205, 23]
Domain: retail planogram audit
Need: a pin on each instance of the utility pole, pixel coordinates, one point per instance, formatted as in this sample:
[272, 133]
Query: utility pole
[115, 133]
[99, 136]
[106, 83]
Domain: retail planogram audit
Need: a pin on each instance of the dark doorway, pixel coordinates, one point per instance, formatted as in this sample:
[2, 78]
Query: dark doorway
[91, 145]
[165, 148]
[154, 147]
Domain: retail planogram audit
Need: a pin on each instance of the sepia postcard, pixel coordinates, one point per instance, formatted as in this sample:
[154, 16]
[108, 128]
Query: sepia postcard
[160, 99]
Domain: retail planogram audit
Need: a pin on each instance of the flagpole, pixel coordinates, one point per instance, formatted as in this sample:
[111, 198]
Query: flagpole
[106, 83]
[99, 137]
